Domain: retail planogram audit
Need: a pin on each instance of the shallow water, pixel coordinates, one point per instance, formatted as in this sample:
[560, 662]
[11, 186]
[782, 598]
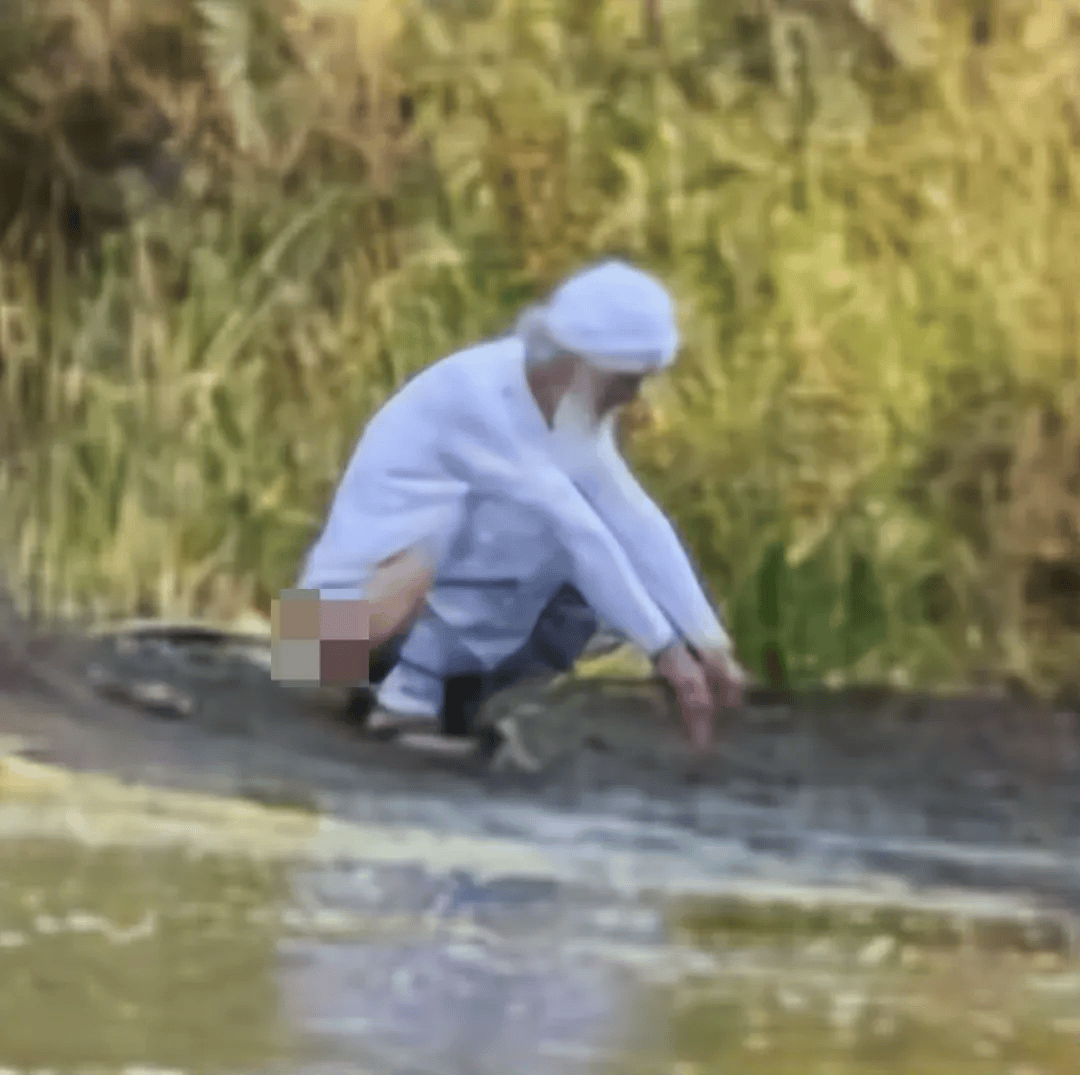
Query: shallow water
[174, 960]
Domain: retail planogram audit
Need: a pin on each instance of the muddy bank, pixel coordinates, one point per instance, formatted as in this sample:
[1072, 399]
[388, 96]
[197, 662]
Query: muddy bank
[974, 791]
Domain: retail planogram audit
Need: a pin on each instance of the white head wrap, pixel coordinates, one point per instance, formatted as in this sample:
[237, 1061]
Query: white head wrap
[614, 316]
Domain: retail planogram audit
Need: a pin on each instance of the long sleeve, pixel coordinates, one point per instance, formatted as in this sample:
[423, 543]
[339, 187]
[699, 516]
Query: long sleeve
[651, 543]
[603, 572]
[491, 458]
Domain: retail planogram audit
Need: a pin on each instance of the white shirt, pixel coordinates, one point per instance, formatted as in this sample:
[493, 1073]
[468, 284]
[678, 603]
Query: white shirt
[462, 460]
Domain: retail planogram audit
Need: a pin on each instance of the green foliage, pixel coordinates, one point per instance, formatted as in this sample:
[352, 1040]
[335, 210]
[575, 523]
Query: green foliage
[795, 623]
[872, 439]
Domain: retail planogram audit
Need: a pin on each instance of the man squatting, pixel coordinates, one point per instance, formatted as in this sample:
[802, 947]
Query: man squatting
[491, 524]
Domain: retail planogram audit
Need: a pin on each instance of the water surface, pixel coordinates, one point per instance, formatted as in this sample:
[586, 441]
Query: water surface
[173, 960]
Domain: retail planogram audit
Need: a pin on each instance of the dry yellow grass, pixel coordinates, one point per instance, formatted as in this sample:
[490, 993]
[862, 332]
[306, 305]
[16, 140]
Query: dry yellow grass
[873, 437]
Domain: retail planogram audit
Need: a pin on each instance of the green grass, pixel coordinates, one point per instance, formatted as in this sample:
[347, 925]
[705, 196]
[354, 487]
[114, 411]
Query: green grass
[872, 438]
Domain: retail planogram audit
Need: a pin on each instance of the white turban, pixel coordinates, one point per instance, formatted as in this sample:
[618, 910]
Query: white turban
[614, 316]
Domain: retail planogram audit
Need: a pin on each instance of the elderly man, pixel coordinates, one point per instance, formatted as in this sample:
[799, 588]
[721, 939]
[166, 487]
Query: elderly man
[488, 518]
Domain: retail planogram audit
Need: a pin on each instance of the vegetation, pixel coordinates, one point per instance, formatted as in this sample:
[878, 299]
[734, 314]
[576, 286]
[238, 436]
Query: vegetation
[232, 227]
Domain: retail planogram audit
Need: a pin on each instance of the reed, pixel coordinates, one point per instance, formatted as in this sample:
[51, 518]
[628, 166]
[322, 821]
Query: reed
[231, 229]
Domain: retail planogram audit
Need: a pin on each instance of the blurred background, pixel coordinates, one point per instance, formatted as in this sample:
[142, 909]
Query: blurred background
[231, 228]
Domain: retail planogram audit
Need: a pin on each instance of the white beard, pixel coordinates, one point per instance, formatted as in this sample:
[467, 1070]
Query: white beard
[575, 428]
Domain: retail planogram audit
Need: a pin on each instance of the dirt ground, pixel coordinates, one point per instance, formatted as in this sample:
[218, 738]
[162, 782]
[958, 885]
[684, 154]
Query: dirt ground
[888, 776]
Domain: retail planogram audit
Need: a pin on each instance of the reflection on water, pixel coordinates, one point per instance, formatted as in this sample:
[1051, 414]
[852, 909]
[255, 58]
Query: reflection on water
[112, 958]
[168, 961]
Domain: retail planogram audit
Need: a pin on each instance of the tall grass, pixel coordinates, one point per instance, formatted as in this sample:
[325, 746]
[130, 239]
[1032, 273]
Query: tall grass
[872, 439]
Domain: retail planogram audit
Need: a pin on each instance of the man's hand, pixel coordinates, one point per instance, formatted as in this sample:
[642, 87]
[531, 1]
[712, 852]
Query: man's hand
[725, 675]
[687, 677]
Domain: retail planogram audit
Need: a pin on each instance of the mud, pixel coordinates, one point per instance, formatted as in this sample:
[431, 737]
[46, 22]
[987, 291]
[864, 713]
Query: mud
[974, 791]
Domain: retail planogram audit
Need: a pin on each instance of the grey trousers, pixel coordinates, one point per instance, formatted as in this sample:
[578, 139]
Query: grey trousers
[561, 634]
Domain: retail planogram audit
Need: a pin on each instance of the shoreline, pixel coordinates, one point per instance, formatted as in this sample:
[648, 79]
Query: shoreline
[735, 835]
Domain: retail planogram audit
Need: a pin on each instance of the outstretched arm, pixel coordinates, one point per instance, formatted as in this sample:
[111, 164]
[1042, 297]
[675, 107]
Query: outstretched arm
[600, 567]
[651, 543]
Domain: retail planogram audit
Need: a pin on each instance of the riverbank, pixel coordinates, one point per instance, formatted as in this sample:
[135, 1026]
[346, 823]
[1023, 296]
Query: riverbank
[852, 799]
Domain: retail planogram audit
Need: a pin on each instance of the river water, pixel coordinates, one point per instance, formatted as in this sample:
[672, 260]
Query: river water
[128, 954]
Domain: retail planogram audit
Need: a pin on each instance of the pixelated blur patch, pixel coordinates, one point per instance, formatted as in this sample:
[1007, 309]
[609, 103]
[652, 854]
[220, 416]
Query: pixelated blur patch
[343, 620]
[343, 661]
[295, 660]
[296, 614]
